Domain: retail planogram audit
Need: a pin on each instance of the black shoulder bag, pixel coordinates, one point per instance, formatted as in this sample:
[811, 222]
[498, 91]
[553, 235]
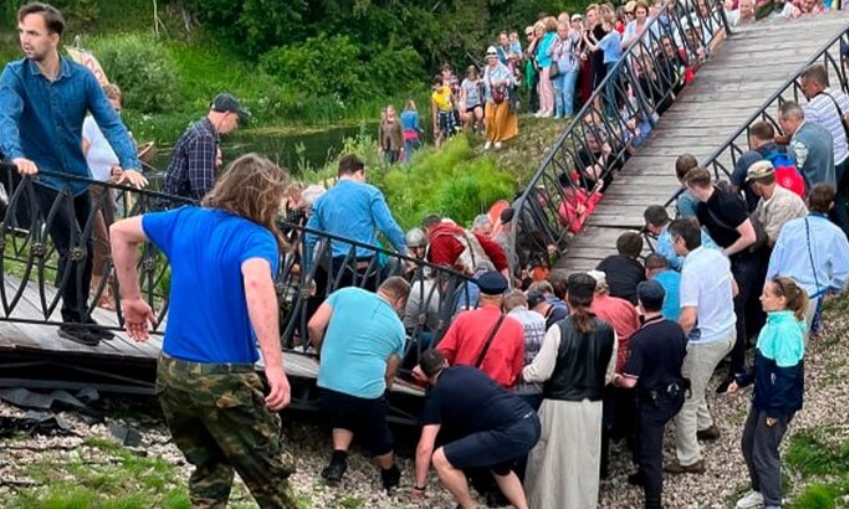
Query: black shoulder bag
[492, 333]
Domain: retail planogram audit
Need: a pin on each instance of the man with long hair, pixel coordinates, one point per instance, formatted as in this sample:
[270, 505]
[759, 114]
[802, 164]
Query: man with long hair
[223, 258]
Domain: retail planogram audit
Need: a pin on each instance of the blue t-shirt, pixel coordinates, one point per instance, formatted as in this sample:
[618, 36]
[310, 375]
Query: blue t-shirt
[208, 315]
[671, 282]
[364, 331]
[611, 45]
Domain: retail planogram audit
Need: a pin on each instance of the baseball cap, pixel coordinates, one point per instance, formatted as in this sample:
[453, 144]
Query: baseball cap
[492, 283]
[227, 103]
[535, 298]
[599, 276]
[759, 169]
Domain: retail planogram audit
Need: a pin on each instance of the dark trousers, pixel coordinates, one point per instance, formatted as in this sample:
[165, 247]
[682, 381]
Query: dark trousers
[838, 214]
[749, 273]
[66, 227]
[760, 450]
[653, 416]
[359, 272]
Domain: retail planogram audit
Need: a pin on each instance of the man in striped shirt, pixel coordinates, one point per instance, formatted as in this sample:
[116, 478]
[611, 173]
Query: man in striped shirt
[828, 107]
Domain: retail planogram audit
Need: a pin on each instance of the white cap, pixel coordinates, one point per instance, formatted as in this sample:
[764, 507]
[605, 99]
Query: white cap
[599, 276]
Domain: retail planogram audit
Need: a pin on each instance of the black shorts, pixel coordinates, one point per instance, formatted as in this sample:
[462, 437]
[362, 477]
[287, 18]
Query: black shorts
[496, 450]
[473, 108]
[366, 418]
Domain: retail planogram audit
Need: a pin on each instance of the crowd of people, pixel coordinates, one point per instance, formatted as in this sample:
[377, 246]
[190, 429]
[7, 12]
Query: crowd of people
[527, 380]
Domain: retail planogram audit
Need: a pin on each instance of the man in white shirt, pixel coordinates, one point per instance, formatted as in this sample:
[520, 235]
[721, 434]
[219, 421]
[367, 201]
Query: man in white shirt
[707, 317]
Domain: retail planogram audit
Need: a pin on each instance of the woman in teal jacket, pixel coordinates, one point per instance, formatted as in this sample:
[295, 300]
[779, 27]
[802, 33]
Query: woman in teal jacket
[778, 374]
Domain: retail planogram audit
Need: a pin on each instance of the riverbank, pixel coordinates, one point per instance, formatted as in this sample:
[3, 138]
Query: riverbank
[89, 469]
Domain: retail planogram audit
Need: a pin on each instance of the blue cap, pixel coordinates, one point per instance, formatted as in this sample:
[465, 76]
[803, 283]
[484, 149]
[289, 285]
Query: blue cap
[651, 292]
[492, 283]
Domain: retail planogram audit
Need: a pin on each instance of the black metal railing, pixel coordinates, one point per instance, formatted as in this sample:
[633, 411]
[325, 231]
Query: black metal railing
[33, 277]
[723, 160]
[612, 124]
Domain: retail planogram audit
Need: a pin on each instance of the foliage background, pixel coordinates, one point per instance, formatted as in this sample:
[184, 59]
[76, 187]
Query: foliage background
[313, 62]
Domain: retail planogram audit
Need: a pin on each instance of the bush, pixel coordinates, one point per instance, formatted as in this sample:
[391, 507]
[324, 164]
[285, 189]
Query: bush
[321, 66]
[143, 68]
[453, 182]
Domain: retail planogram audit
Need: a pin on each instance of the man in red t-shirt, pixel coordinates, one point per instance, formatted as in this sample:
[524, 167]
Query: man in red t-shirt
[464, 251]
[466, 337]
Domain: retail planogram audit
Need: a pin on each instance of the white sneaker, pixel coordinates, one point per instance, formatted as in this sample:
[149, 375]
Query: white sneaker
[497, 145]
[488, 145]
[752, 500]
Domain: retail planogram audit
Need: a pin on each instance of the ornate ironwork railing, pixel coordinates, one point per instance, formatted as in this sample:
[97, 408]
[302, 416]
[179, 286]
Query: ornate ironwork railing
[725, 157]
[33, 279]
[645, 81]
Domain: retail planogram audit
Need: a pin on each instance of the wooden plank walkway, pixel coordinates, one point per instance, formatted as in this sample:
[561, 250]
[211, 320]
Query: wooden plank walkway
[746, 69]
[43, 340]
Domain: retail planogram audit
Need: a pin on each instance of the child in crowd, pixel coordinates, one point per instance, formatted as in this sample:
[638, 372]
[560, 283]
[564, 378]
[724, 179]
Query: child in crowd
[412, 129]
[515, 44]
[390, 136]
[442, 107]
[778, 375]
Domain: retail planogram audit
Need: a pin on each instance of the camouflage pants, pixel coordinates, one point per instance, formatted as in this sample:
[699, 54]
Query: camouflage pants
[217, 416]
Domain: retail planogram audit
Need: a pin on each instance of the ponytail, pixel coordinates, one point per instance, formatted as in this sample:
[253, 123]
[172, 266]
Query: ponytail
[583, 320]
[794, 295]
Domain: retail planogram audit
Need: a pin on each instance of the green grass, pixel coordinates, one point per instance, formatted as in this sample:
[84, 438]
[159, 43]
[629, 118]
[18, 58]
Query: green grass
[106, 475]
[823, 465]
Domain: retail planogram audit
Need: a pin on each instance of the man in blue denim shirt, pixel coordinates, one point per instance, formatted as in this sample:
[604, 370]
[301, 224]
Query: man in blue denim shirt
[355, 210]
[43, 102]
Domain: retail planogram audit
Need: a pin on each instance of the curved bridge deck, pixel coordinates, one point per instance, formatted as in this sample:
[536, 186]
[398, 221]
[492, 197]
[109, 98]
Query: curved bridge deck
[749, 66]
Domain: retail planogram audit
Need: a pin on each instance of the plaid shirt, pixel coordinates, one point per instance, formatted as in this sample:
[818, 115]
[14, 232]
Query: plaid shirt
[191, 171]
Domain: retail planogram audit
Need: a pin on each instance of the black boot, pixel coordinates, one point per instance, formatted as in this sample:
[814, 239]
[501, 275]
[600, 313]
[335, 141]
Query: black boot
[391, 477]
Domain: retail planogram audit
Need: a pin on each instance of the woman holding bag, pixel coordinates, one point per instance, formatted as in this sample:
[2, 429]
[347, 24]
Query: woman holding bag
[565, 61]
[502, 123]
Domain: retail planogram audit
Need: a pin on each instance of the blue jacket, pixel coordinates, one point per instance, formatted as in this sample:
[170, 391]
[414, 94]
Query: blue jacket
[779, 369]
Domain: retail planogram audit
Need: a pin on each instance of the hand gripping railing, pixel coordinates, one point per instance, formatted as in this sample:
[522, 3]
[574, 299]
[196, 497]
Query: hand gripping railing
[611, 125]
[32, 262]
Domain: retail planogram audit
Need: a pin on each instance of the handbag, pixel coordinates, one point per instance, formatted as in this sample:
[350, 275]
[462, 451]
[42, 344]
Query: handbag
[485, 348]
[553, 70]
[498, 93]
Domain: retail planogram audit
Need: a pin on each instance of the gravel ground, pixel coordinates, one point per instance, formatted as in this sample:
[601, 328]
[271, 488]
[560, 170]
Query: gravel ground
[826, 401]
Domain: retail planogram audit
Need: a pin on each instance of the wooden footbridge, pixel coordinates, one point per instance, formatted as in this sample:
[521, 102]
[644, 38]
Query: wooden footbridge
[743, 81]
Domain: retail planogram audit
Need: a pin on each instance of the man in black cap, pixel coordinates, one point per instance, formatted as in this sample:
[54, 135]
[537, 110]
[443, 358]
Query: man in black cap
[493, 427]
[654, 368]
[191, 171]
[485, 337]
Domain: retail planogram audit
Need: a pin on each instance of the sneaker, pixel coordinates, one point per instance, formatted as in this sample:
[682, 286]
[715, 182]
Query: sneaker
[78, 334]
[99, 331]
[333, 473]
[709, 435]
[752, 500]
[488, 145]
[677, 468]
[390, 477]
[498, 145]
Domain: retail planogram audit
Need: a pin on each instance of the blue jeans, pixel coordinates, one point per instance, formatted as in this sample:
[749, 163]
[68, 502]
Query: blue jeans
[409, 147]
[564, 93]
[610, 91]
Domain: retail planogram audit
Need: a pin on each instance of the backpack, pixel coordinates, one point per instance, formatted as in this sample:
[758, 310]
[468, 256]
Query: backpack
[787, 175]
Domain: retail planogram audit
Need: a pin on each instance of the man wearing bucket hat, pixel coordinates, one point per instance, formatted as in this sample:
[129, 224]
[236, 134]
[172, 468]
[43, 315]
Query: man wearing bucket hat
[191, 170]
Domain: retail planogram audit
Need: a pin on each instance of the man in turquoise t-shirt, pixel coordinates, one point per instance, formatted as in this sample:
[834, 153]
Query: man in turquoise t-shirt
[657, 268]
[360, 340]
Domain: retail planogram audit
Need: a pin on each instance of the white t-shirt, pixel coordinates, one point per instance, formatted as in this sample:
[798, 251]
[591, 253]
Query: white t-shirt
[100, 158]
[706, 282]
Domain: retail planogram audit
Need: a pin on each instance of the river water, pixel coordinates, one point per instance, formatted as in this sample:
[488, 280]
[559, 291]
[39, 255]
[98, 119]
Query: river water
[292, 150]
